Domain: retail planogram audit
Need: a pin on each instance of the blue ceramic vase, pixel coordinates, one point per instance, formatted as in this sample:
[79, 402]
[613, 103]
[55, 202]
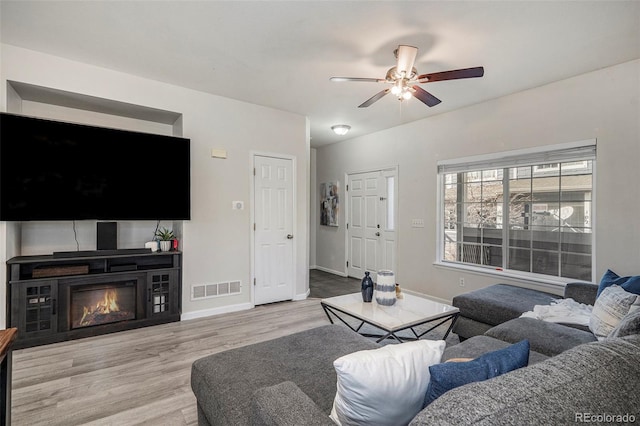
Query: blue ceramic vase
[367, 288]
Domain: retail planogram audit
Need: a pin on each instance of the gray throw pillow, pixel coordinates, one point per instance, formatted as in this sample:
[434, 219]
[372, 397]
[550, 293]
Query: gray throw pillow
[629, 325]
[613, 304]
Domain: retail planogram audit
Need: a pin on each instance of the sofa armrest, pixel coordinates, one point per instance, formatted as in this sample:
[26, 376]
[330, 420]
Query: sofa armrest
[285, 404]
[581, 292]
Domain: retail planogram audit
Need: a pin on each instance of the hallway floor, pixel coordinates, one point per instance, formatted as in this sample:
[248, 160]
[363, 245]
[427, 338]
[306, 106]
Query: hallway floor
[324, 284]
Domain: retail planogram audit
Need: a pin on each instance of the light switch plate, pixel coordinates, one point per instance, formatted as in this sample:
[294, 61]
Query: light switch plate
[219, 153]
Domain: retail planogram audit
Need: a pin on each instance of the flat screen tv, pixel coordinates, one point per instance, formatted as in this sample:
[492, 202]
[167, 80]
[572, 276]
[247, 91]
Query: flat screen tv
[51, 170]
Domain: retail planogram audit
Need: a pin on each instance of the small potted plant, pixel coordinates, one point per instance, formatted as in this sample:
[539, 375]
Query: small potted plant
[165, 236]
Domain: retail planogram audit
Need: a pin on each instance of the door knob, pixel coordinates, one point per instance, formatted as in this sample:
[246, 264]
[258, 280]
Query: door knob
[377, 234]
[289, 237]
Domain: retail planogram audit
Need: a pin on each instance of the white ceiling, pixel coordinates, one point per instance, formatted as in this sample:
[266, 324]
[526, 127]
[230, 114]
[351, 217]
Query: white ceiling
[281, 54]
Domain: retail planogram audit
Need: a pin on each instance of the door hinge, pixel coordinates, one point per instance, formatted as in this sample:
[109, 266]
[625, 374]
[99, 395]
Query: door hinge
[347, 226]
[254, 171]
[254, 226]
[347, 263]
[347, 187]
[254, 281]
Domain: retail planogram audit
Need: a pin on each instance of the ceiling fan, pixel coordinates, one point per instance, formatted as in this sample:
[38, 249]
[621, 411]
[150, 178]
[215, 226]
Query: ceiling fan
[404, 78]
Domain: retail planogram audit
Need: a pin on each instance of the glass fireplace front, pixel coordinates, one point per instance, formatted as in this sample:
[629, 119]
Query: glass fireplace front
[102, 304]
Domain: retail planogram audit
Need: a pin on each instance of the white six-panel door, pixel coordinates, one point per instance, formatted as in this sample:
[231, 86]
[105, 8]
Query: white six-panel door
[273, 235]
[371, 232]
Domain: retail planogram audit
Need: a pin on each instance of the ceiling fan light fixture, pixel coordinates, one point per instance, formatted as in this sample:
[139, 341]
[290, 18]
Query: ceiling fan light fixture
[404, 79]
[340, 129]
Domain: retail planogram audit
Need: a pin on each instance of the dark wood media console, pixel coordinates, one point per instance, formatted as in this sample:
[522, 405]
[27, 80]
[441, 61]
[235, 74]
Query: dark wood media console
[52, 299]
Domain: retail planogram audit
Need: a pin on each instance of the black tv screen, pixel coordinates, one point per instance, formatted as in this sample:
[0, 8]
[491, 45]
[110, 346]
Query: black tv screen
[51, 170]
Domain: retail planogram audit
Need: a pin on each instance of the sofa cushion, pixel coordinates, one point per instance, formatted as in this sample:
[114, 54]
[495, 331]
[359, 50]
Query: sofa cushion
[285, 404]
[611, 306]
[499, 303]
[224, 383]
[599, 377]
[480, 345]
[545, 337]
[450, 375]
[467, 327]
[385, 386]
[630, 284]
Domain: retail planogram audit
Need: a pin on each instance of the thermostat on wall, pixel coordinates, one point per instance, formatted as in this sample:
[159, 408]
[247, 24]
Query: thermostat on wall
[237, 205]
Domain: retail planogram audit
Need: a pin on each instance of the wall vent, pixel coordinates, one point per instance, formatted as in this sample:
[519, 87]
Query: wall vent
[207, 291]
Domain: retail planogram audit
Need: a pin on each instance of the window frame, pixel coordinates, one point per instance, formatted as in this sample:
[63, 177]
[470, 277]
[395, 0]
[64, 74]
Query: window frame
[561, 153]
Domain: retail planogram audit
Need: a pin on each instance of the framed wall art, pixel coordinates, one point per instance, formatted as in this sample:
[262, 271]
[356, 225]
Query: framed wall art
[329, 203]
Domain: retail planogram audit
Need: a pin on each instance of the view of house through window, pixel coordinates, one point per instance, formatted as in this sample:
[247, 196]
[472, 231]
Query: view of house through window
[532, 219]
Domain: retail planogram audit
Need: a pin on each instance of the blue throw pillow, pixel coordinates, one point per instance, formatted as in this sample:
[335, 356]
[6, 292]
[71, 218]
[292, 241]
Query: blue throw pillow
[630, 284]
[450, 375]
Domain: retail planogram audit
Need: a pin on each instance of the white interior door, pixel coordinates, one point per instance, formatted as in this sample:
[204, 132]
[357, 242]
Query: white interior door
[371, 228]
[273, 192]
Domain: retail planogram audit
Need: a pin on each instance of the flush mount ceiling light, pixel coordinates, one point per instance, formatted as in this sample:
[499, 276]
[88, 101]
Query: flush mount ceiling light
[340, 129]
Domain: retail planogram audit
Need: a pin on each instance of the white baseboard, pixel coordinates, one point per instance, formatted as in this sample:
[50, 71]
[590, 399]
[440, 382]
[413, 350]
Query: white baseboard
[426, 296]
[313, 267]
[331, 271]
[215, 311]
[302, 296]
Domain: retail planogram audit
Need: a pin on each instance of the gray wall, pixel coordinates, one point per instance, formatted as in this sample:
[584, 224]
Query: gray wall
[217, 240]
[601, 105]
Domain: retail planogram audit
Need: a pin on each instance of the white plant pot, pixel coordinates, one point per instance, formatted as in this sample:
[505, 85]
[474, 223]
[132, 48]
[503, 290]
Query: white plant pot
[165, 245]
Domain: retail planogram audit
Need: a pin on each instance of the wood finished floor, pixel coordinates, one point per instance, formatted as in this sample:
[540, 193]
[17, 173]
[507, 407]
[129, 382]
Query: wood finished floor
[141, 377]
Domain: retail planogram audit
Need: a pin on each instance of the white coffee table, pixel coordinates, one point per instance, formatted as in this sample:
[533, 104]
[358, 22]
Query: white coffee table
[406, 314]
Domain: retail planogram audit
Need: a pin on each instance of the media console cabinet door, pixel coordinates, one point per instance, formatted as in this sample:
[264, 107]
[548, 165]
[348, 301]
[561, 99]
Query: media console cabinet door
[34, 308]
[162, 297]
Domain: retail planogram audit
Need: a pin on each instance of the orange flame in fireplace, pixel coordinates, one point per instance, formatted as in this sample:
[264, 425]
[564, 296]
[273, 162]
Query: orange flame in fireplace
[107, 305]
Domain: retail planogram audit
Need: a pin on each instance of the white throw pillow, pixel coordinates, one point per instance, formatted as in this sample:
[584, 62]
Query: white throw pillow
[384, 386]
[611, 306]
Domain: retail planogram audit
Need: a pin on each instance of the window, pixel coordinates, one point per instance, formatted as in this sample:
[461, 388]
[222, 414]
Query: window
[528, 212]
[391, 202]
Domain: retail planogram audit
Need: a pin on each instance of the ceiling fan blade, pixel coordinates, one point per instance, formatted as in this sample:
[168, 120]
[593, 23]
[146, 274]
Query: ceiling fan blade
[374, 98]
[372, 80]
[451, 75]
[425, 97]
[406, 58]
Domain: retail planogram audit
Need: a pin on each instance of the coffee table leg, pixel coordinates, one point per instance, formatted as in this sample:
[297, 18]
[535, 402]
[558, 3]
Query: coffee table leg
[327, 310]
[453, 322]
[452, 318]
[390, 335]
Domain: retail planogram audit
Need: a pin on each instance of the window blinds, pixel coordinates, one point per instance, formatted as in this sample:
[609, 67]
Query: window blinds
[576, 151]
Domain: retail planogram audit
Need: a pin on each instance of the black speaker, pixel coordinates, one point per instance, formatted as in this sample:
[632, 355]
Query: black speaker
[107, 236]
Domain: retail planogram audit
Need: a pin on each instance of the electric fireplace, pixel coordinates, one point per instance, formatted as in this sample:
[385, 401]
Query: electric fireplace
[52, 299]
[102, 304]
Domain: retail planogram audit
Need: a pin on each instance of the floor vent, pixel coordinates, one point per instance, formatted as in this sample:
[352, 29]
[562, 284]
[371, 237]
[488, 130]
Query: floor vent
[207, 291]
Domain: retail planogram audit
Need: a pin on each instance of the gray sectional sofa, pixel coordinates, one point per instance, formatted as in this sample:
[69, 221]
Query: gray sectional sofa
[291, 381]
[494, 311]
